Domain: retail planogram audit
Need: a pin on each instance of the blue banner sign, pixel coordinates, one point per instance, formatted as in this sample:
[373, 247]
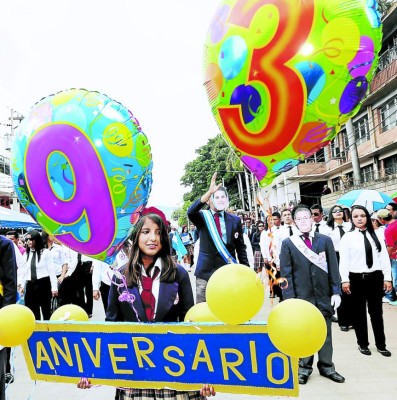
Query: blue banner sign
[234, 359]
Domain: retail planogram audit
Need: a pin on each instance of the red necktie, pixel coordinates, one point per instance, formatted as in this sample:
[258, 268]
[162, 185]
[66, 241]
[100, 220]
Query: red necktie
[147, 297]
[218, 223]
[307, 241]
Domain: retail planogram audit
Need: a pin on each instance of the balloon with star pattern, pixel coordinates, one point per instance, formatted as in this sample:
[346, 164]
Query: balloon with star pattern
[82, 167]
[282, 76]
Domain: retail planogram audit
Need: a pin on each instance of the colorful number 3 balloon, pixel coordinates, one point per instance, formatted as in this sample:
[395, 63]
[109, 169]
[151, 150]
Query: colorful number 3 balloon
[282, 76]
[82, 167]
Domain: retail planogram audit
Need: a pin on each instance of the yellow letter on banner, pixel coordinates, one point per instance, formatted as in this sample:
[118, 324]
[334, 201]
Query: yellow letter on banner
[114, 359]
[270, 369]
[174, 360]
[142, 354]
[202, 348]
[231, 364]
[64, 353]
[95, 358]
[42, 355]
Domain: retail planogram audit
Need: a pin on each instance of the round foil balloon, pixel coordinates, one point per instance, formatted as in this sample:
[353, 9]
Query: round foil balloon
[82, 167]
[282, 76]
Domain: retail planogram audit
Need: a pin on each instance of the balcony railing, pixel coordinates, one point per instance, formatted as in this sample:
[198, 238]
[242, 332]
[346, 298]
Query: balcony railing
[387, 58]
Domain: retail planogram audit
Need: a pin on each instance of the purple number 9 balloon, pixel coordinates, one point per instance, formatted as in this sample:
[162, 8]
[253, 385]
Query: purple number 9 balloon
[67, 160]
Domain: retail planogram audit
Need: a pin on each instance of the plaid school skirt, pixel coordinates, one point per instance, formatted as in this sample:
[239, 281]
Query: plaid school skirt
[259, 262]
[149, 394]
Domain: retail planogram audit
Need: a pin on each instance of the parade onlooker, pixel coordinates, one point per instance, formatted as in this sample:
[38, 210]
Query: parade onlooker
[308, 263]
[365, 271]
[392, 207]
[14, 236]
[249, 230]
[152, 270]
[335, 228]
[221, 235]
[318, 218]
[287, 229]
[259, 262]
[39, 276]
[187, 241]
[390, 236]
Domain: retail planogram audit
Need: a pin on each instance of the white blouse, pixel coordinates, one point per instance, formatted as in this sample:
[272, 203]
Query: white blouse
[334, 234]
[44, 268]
[352, 256]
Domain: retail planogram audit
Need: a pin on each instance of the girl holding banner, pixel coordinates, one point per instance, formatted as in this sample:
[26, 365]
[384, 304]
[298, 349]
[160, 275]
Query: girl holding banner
[134, 296]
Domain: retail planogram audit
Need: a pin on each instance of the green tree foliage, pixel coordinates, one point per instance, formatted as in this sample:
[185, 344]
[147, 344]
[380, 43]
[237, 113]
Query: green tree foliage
[215, 156]
[180, 214]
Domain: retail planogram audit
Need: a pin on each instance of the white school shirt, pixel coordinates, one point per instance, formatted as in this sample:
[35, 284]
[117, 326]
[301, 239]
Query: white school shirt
[265, 240]
[101, 272]
[73, 258]
[59, 257]
[322, 227]
[278, 237]
[352, 256]
[334, 234]
[44, 268]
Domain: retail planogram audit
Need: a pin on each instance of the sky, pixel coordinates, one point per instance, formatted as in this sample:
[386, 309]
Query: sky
[146, 54]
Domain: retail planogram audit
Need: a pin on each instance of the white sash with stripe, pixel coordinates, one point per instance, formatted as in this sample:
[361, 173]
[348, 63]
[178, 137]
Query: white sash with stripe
[319, 260]
[220, 246]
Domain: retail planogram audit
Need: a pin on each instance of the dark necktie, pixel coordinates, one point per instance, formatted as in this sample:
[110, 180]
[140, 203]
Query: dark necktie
[341, 231]
[218, 223]
[368, 251]
[290, 230]
[33, 272]
[147, 297]
[306, 239]
[317, 228]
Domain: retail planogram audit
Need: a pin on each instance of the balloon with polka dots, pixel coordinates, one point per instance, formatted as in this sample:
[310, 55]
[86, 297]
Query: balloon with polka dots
[82, 167]
[282, 76]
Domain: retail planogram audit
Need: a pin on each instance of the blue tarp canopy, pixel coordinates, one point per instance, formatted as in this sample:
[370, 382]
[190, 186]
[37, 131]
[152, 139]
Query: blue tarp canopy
[15, 220]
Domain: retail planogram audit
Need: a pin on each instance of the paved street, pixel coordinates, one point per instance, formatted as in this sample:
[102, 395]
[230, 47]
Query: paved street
[373, 377]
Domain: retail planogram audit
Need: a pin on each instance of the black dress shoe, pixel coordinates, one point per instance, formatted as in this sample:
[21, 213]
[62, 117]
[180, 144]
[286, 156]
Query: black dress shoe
[384, 352]
[365, 350]
[302, 379]
[334, 319]
[335, 377]
[344, 328]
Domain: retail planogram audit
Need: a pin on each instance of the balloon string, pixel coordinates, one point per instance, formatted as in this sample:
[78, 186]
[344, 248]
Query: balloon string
[124, 294]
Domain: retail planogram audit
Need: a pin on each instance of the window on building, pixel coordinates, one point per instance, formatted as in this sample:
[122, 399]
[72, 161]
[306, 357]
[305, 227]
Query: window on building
[5, 165]
[335, 148]
[388, 114]
[336, 184]
[361, 130]
[390, 165]
[367, 173]
[344, 139]
[316, 157]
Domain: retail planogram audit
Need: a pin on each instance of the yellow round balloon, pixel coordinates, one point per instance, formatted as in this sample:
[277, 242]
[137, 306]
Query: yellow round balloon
[200, 313]
[297, 328]
[16, 325]
[69, 312]
[235, 294]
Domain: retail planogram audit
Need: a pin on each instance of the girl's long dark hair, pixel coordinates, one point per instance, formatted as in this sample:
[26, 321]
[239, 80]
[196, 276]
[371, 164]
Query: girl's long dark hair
[368, 226]
[133, 271]
[331, 219]
[38, 244]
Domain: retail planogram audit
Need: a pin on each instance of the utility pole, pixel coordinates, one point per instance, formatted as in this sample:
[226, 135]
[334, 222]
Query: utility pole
[353, 153]
[9, 136]
[15, 116]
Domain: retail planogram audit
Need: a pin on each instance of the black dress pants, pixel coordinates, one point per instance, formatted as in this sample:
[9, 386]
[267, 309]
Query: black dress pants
[367, 291]
[38, 297]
